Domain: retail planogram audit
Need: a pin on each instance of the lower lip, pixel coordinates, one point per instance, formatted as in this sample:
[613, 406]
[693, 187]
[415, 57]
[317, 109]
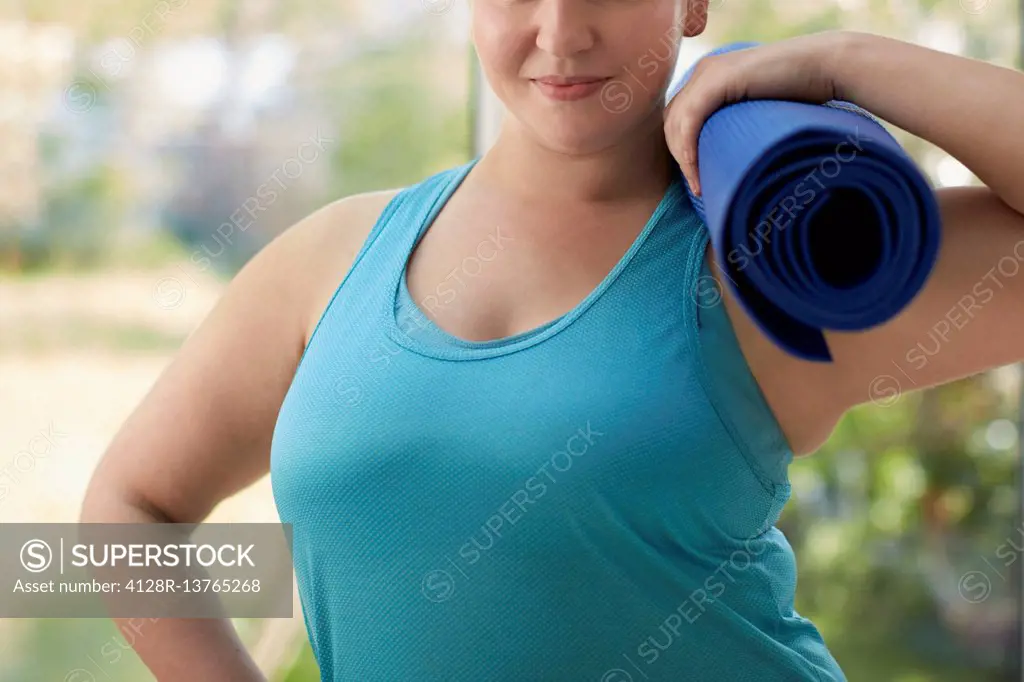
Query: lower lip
[566, 93]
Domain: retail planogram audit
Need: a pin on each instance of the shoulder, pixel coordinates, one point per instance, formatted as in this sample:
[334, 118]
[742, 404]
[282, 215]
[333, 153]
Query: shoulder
[329, 240]
[305, 263]
[316, 253]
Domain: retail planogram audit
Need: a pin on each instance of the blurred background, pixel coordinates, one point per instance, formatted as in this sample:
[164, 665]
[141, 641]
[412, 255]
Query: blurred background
[138, 137]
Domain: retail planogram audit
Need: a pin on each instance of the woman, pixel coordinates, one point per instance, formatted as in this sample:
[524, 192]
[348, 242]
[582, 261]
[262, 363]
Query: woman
[516, 446]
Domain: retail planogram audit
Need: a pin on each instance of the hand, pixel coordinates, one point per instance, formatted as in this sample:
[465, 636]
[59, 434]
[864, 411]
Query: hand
[798, 69]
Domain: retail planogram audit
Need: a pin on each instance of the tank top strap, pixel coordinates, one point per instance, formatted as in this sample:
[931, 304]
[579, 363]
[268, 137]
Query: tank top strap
[403, 219]
[385, 248]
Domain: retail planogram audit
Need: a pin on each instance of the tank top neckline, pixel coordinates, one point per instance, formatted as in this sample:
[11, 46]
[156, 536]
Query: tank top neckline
[445, 346]
[426, 330]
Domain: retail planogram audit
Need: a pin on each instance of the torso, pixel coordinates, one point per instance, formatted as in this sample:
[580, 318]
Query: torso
[560, 254]
[543, 503]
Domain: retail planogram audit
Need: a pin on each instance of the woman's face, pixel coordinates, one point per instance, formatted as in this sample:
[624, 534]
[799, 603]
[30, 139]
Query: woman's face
[625, 49]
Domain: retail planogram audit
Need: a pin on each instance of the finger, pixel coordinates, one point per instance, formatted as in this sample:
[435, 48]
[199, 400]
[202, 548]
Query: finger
[696, 106]
[687, 165]
[677, 156]
[689, 156]
[676, 145]
[686, 126]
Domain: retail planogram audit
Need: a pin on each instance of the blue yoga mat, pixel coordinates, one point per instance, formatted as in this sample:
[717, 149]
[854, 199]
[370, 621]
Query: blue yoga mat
[818, 217]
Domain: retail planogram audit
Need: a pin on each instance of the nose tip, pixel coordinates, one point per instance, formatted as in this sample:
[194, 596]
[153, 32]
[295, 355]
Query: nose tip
[563, 44]
[564, 30]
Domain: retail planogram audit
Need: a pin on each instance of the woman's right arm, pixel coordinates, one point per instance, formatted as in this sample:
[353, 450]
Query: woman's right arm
[203, 431]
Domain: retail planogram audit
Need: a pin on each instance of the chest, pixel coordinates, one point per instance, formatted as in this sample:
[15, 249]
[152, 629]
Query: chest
[605, 414]
[392, 439]
[398, 434]
[481, 279]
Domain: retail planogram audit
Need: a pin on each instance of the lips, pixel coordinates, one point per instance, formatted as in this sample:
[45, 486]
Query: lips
[570, 80]
[565, 89]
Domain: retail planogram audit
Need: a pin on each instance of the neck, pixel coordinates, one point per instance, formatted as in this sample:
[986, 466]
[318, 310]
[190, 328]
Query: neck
[638, 165]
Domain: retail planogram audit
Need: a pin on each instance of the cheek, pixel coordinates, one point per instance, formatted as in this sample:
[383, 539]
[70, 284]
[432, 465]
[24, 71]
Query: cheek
[648, 57]
[500, 47]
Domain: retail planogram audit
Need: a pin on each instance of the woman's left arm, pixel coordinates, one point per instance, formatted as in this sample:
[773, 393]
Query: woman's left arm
[971, 109]
[969, 317]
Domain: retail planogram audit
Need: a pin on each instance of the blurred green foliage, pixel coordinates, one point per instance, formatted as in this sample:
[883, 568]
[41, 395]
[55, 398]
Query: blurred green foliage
[404, 127]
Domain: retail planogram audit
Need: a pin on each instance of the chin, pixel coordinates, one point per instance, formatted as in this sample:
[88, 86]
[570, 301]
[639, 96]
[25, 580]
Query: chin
[577, 137]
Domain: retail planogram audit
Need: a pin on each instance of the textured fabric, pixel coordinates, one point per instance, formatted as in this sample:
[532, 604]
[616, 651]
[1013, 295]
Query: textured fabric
[590, 500]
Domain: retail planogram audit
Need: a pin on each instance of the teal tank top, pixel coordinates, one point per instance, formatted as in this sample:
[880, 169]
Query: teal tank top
[592, 500]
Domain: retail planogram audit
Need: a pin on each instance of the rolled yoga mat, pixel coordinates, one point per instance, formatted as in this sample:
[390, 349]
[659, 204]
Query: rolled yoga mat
[818, 217]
